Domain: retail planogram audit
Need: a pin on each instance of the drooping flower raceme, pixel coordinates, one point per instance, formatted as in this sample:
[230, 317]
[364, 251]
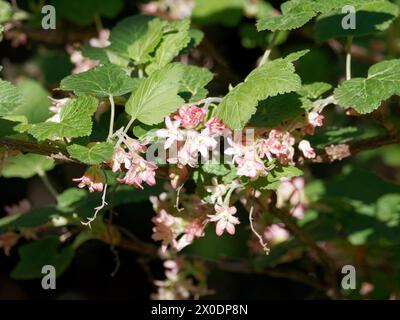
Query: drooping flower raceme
[291, 192]
[178, 229]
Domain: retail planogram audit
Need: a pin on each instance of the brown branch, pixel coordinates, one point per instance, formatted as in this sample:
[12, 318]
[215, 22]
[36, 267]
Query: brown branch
[243, 267]
[140, 247]
[61, 35]
[31, 147]
[341, 151]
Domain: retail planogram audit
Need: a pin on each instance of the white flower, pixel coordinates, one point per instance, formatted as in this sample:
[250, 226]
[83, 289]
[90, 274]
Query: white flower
[172, 133]
[308, 151]
[217, 190]
[250, 166]
[200, 142]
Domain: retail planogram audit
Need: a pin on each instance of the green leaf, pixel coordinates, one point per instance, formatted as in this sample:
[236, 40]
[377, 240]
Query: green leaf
[225, 12]
[196, 37]
[193, 82]
[10, 98]
[35, 255]
[84, 12]
[35, 102]
[26, 166]
[366, 94]
[91, 155]
[75, 120]
[296, 13]
[94, 53]
[5, 11]
[136, 37]
[314, 90]
[69, 197]
[101, 81]
[273, 111]
[171, 44]
[273, 78]
[371, 17]
[157, 95]
[216, 169]
[272, 180]
[32, 219]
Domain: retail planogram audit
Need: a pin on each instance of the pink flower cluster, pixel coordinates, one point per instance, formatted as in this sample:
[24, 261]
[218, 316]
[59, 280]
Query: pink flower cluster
[180, 278]
[250, 158]
[291, 192]
[93, 178]
[178, 230]
[138, 170]
[82, 63]
[189, 135]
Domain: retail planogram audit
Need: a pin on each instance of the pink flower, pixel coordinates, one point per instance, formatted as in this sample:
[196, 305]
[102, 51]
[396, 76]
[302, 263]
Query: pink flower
[217, 190]
[195, 229]
[184, 157]
[178, 175]
[20, 208]
[215, 125]
[140, 171]
[315, 119]
[135, 146]
[81, 63]
[292, 191]
[57, 104]
[250, 166]
[308, 151]
[102, 40]
[298, 210]
[225, 219]
[236, 149]
[172, 133]
[93, 178]
[120, 157]
[190, 117]
[162, 231]
[276, 233]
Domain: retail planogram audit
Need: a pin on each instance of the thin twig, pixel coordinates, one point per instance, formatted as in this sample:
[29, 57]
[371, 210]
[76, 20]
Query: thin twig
[341, 151]
[97, 209]
[178, 193]
[263, 244]
[348, 57]
[268, 51]
[112, 116]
